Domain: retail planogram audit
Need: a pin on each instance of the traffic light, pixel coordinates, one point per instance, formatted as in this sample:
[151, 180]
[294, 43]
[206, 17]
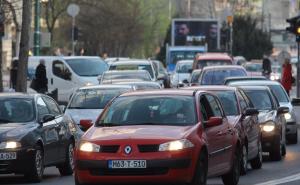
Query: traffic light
[294, 25]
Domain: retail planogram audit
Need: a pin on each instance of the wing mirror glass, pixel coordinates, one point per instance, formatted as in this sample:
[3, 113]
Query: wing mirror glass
[250, 112]
[47, 118]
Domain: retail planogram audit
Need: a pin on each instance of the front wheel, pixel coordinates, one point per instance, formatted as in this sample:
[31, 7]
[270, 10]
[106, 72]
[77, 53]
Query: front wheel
[200, 176]
[35, 174]
[256, 163]
[244, 160]
[233, 176]
[68, 166]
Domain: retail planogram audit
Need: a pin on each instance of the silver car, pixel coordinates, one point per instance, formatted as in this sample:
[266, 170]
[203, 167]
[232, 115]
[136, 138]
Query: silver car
[87, 103]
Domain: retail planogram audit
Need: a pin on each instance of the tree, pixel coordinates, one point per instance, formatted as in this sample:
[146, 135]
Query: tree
[248, 40]
[24, 46]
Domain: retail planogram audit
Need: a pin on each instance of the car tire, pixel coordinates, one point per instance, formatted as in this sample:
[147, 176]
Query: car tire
[36, 170]
[244, 160]
[293, 139]
[200, 175]
[276, 151]
[256, 163]
[283, 148]
[233, 176]
[68, 166]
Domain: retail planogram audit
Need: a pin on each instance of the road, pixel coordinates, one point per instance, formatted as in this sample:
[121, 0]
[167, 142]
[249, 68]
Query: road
[285, 172]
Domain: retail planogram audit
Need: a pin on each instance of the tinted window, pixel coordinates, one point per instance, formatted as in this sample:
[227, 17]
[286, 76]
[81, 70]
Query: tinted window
[42, 108]
[60, 70]
[195, 77]
[52, 106]
[87, 67]
[203, 63]
[215, 107]
[147, 86]
[229, 103]
[94, 98]
[260, 99]
[16, 110]
[217, 77]
[279, 93]
[151, 110]
[242, 102]
[120, 76]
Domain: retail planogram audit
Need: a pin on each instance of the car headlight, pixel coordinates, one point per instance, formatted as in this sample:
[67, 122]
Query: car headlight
[272, 78]
[287, 116]
[89, 147]
[10, 145]
[268, 127]
[176, 145]
[88, 84]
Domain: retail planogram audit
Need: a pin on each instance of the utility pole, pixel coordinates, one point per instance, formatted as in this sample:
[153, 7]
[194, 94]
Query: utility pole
[189, 8]
[170, 9]
[37, 32]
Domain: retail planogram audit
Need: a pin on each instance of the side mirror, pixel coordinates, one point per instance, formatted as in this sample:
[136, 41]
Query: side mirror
[213, 121]
[62, 108]
[86, 124]
[160, 77]
[47, 118]
[283, 110]
[296, 101]
[250, 112]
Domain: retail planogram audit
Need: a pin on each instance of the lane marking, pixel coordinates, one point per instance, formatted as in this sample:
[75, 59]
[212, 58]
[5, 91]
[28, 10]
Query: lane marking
[282, 180]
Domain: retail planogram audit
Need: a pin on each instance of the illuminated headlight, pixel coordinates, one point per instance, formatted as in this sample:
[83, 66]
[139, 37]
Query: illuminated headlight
[268, 127]
[10, 145]
[176, 145]
[89, 147]
[89, 84]
[273, 78]
[287, 116]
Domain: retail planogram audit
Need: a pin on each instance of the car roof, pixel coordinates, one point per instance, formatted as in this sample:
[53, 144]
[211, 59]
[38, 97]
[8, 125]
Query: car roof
[212, 88]
[214, 56]
[80, 57]
[112, 86]
[255, 87]
[131, 61]
[160, 92]
[126, 71]
[254, 83]
[223, 67]
[139, 83]
[18, 95]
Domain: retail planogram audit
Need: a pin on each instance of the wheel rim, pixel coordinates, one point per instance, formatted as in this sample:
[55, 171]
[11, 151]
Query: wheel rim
[39, 162]
[245, 158]
[71, 154]
[260, 152]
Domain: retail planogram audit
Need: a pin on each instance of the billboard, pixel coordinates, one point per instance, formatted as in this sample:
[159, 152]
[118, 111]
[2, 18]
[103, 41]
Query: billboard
[196, 32]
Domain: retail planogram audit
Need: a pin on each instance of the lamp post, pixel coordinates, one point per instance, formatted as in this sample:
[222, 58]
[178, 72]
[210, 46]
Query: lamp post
[37, 30]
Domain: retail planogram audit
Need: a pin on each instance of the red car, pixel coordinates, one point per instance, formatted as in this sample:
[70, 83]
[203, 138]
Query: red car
[164, 136]
[244, 117]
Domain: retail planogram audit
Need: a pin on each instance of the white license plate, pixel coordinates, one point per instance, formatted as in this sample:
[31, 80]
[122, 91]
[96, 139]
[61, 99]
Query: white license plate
[8, 156]
[125, 164]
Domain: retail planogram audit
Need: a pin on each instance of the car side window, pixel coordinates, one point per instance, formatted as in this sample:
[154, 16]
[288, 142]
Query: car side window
[215, 106]
[60, 70]
[247, 99]
[242, 101]
[42, 108]
[205, 109]
[52, 106]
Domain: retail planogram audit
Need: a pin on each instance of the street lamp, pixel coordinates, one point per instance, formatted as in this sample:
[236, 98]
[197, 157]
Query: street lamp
[37, 26]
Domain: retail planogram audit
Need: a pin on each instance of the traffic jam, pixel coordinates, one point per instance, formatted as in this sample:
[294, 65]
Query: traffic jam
[124, 120]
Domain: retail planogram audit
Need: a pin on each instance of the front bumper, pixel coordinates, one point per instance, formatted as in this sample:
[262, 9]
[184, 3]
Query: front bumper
[291, 128]
[20, 165]
[268, 140]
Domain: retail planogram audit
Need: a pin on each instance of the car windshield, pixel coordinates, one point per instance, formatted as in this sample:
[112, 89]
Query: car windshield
[126, 75]
[182, 55]
[150, 110]
[16, 110]
[229, 102]
[260, 99]
[253, 67]
[279, 93]
[87, 67]
[203, 63]
[146, 67]
[184, 67]
[217, 77]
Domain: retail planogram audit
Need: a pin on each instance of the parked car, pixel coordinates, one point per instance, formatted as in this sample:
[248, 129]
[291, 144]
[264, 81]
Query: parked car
[111, 77]
[216, 75]
[243, 116]
[271, 119]
[194, 80]
[142, 85]
[66, 74]
[88, 102]
[35, 134]
[253, 68]
[182, 73]
[158, 137]
[284, 101]
[212, 59]
[161, 73]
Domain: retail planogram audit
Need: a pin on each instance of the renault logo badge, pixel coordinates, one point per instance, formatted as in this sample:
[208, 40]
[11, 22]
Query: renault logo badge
[127, 150]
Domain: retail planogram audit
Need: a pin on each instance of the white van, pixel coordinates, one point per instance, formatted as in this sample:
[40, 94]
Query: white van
[67, 74]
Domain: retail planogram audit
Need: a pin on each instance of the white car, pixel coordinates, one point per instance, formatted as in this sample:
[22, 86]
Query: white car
[112, 77]
[182, 73]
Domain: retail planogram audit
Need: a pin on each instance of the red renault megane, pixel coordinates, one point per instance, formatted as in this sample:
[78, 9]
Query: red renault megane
[159, 137]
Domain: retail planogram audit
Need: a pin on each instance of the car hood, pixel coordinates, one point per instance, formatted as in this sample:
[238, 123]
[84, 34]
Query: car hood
[91, 80]
[83, 114]
[144, 132]
[265, 116]
[13, 130]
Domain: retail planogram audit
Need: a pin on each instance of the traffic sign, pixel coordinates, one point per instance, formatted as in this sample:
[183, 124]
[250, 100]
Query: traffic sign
[73, 10]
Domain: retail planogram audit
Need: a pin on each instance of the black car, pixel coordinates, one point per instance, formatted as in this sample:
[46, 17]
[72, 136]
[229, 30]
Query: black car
[34, 134]
[271, 119]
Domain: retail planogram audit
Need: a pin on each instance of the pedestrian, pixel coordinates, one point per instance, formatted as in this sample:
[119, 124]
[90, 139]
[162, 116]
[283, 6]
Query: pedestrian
[104, 56]
[13, 74]
[287, 78]
[41, 81]
[266, 66]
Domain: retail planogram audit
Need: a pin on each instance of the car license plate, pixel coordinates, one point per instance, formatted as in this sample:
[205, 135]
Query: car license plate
[125, 164]
[8, 156]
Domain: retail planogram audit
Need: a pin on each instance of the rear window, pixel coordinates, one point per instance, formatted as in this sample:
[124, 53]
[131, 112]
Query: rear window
[87, 67]
[217, 77]
[203, 63]
[146, 67]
